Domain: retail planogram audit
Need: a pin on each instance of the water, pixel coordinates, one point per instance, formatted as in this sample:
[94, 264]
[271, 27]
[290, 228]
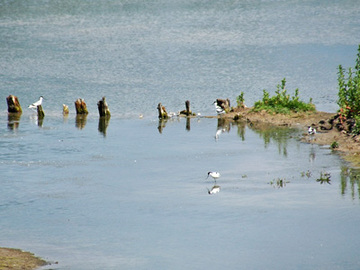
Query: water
[132, 193]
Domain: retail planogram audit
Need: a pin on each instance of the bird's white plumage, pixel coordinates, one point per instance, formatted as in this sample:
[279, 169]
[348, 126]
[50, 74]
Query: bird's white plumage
[214, 175]
[37, 103]
[311, 130]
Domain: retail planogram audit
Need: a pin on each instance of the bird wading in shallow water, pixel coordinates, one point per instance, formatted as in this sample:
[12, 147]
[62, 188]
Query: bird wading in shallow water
[214, 175]
[37, 103]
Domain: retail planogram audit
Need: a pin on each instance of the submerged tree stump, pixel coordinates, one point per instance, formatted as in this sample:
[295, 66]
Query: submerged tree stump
[162, 112]
[65, 109]
[80, 106]
[187, 110]
[13, 104]
[40, 112]
[103, 108]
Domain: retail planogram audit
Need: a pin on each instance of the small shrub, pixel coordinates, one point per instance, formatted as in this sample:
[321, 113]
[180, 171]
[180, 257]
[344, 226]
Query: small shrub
[282, 102]
[334, 145]
[240, 100]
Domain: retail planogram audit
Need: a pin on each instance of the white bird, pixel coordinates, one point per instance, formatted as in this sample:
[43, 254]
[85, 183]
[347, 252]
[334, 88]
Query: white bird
[37, 103]
[311, 130]
[215, 189]
[214, 175]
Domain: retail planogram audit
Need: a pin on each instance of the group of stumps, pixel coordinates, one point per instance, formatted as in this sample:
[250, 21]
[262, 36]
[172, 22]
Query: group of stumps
[14, 107]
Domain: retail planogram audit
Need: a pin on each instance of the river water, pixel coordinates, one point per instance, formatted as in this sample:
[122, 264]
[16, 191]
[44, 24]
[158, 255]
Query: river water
[132, 193]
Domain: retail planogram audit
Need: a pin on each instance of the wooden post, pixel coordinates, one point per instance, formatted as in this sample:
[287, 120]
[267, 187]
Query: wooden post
[65, 109]
[162, 111]
[40, 112]
[187, 110]
[80, 106]
[103, 108]
[13, 104]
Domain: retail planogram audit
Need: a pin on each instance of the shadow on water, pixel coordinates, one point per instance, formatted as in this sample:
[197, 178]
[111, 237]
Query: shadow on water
[350, 179]
[80, 121]
[269, 133]
[13, 121]
[103, 124]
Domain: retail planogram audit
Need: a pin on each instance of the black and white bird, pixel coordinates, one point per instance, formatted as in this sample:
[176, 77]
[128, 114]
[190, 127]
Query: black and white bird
[215, 189]
[214, 175]
[218, 108]
[311, 130]
[37, 103]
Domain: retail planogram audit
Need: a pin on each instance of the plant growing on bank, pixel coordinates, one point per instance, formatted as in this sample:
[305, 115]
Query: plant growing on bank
[349, 93]
[282, 102]
[240, 100]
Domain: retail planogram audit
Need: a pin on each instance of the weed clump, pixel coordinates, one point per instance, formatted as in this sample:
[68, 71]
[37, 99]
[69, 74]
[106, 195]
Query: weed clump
[282, 103]
[349, 95]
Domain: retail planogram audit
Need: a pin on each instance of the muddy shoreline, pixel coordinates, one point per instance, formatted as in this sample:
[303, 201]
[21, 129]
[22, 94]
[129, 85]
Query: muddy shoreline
[347, 145]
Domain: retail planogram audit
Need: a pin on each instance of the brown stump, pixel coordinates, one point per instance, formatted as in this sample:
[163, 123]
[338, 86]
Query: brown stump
[40, 112]
[103, 108]
[187, 110]
[13, 104]
[80, 106]
[162, 111]
[65, 109]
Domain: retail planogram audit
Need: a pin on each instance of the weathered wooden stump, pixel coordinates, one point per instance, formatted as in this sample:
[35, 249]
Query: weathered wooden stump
[103, 108]
[13, 104]
[65, 109]
[80, 106]
[40, 112]
[187, 110]
[162, 112]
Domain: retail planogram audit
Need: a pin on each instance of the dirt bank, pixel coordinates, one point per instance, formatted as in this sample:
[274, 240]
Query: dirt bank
[328, 132]
[17, 259]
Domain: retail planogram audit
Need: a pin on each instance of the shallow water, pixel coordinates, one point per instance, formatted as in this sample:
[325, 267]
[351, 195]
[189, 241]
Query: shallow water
[132, 193]
[136, 198]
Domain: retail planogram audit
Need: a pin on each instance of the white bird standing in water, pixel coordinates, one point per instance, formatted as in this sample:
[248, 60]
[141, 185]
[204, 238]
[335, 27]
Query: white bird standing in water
[214, 175]
[37, 103]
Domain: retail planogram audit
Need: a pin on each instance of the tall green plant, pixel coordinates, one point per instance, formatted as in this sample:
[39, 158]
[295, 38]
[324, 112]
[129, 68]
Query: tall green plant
[349, 90]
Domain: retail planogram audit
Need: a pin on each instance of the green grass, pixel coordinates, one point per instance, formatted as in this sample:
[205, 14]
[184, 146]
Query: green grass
[282, 102]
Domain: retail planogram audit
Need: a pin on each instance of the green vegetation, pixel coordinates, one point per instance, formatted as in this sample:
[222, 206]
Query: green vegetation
[282, 102]
[349, 93]
[324, 178]
[279, 183]
[334, 145]
[240, 100]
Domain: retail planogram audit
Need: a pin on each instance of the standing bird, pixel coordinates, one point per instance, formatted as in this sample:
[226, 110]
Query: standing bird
[221, 105]
[214, 175]
[37, 103]
[311, 130]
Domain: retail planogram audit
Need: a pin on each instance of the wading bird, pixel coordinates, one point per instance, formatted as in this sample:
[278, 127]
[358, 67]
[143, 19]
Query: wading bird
[214, 175]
